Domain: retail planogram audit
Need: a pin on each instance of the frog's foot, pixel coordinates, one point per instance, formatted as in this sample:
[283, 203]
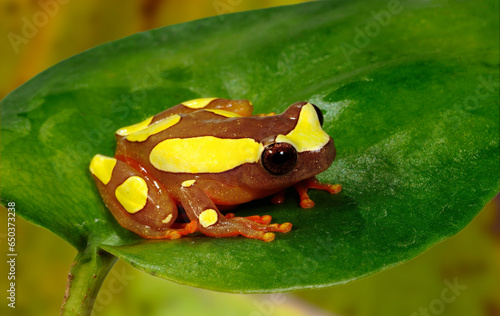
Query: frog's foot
[211, 222]
[257, 227]
[312, 183]
[246, 227]
[265, 219]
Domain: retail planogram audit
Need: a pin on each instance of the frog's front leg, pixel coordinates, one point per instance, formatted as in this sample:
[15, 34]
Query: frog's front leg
[137, 201]
[312, 183]
[211, 222]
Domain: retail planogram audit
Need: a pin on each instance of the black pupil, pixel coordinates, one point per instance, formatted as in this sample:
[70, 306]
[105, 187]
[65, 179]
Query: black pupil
[280, 157]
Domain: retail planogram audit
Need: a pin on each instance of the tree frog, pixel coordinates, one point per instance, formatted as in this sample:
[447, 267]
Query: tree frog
[206, 156]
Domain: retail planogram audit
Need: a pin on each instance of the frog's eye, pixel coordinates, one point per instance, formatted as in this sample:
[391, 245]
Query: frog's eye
[319, 113]
[279, 158]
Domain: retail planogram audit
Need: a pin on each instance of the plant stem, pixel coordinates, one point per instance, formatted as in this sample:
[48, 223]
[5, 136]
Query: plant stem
[85, 278]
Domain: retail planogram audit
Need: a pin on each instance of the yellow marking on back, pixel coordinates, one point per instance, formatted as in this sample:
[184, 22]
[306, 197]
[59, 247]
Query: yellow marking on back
[132, 194]
[307, 134]
[167, 219]
[188, 183]
[223, 113]
[102, 167]
[124, 131]
[208, 217]
[155, 128]
[198, 103]
[204, 154]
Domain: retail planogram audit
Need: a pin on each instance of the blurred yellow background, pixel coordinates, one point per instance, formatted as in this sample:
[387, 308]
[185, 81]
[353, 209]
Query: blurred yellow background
[472, 258]
[73, 26]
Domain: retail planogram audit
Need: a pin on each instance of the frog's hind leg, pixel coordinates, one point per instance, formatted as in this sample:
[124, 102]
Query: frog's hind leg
[211, 222]
[238, 107]
[137, 201]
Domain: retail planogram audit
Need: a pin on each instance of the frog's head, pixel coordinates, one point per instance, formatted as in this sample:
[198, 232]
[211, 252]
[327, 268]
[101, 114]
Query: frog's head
[298, 149]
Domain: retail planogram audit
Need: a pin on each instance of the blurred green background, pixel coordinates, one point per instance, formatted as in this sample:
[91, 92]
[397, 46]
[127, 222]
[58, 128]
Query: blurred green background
[420, 287]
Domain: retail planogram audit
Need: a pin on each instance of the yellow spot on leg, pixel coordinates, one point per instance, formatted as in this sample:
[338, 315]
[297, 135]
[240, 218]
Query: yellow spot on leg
[132, 194]
[167, 219]
[307, 134]
[208, 217]
[102, 167]
[198, 103]
[188, 183]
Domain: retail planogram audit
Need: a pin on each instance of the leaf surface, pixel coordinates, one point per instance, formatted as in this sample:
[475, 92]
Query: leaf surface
[410, 97]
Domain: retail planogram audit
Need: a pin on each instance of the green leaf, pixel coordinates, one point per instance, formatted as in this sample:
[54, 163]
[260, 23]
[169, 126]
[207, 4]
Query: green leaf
[410, 97]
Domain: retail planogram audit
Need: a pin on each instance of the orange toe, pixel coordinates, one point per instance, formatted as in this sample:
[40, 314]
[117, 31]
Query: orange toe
[307, 203]
[285, 227]
[267, 237]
